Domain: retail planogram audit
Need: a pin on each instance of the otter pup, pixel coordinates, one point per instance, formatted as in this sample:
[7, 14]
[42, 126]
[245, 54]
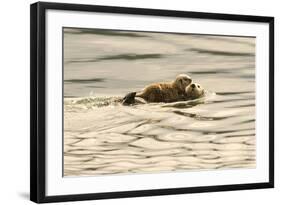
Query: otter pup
[194, 91]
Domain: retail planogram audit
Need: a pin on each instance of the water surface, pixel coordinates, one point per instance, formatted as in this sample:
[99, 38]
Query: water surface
[103, 137]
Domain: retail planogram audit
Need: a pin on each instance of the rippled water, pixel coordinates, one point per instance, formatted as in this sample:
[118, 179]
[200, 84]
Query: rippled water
[103, 137]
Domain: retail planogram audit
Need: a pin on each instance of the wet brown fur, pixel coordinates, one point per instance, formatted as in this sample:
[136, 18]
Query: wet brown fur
[162, 92]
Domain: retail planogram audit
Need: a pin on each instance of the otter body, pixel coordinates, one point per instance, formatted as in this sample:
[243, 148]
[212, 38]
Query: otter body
[166, 92]
[180, 89]
[161, 92]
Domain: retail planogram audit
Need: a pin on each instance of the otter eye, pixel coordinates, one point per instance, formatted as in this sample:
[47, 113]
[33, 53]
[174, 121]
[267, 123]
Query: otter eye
[198, 86]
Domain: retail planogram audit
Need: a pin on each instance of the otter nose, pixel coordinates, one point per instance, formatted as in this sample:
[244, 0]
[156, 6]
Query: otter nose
[193, 85]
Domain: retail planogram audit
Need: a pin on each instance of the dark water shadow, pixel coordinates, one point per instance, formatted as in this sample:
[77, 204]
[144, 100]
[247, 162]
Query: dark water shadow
[102, 32]
[221, 53]
[234, 93]
[233, 100]
[201, 118]
[91, 80]
[246, 121]
[225, 131]
[209, 72]
[95, 86]
[201, 71]
[128, 57]
[248, 76]
[239, 106]
[226, 39]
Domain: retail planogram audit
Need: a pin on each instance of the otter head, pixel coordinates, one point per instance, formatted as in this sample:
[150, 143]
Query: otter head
[194, 91]
[182, 81]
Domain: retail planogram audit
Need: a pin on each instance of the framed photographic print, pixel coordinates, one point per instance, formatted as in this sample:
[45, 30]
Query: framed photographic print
[129, 102]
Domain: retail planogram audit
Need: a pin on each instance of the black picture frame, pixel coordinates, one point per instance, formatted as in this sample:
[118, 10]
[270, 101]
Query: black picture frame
[38, 101]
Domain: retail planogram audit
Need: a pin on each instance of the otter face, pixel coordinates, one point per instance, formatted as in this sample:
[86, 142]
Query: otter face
[194, 90]
[182, 81]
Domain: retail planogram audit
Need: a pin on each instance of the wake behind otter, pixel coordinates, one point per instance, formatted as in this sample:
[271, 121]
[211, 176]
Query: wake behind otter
[91, 102]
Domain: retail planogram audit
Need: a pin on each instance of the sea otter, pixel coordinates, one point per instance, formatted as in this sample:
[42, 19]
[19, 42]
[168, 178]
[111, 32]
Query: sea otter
[192, 91]
[162, 92]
